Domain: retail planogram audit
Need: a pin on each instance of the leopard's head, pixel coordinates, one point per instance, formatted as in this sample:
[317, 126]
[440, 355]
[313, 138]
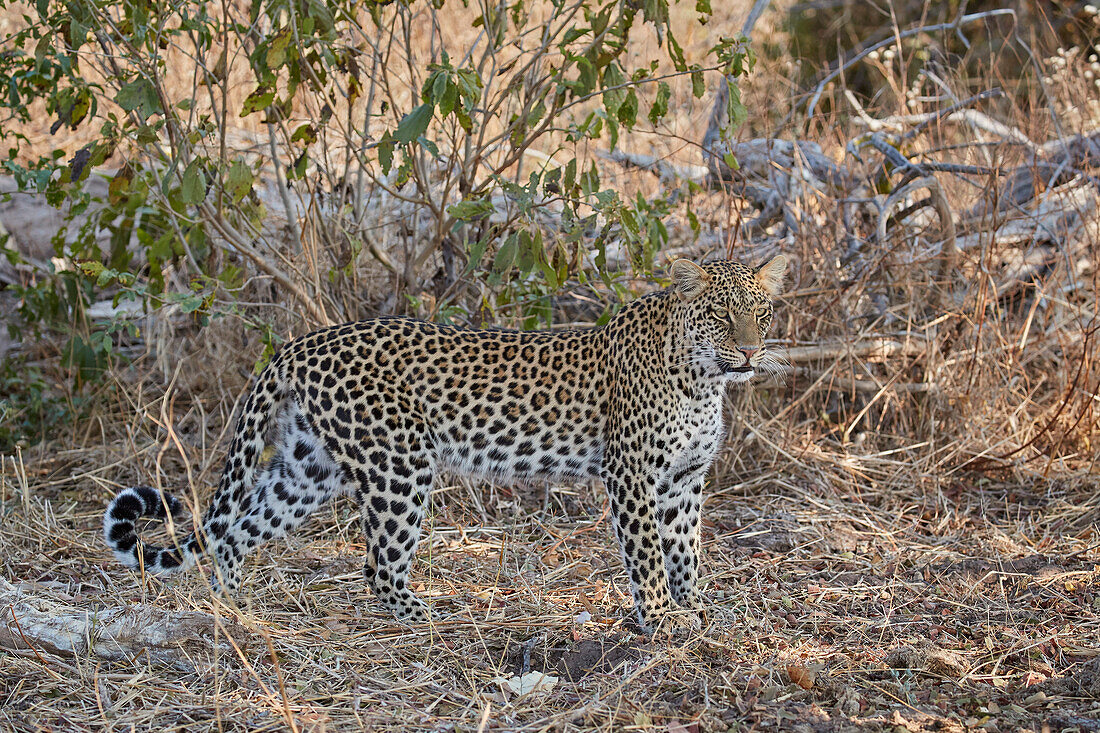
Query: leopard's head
[728, 311]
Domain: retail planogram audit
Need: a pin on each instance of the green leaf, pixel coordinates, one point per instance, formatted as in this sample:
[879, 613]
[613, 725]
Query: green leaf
[190, 302]
[431, 147]
[464, 119]
[276, 49]
[139, 96]
[612, 133]
[698, 86]
[660, 104]
[736, 110]
[81, 104]
[549, 273]
[434, 87]
[471, 209]
[506, 255]
[305, 133]
[161, 249]
[530, 251]
[469, 87]
[91, 268]
[655, 11]
[238, 181]
[258, 100]
[590, 180]
[43, 46]
[146, 134]
[448, 98]
[85, 356]
[604, 198]
[474, 252]
[676, 53]
[613, 98]
[414, 124]
[550, 182]
[298, 169]
[268, 352]
[79, 163]
[601, 19]
[193, 187]
[355, 90]
[628, 112]
[120, 185]
[573, 34]
[321, 13]
[586, 77]
[232, 276]
[385, 152]
[693, 222]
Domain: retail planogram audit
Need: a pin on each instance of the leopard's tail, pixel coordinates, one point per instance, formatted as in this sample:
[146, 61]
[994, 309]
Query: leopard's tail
[119, 530]
[237, 478]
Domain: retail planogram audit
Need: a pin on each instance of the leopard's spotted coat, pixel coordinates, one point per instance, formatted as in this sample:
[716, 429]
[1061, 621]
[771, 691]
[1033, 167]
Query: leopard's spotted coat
[378, 408]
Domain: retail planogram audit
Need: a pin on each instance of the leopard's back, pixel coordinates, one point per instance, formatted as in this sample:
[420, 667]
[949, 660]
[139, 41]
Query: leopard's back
[487, 402]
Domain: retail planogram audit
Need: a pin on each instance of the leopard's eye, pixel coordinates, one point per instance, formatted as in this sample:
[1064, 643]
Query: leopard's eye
[720, 313]
[762, 312]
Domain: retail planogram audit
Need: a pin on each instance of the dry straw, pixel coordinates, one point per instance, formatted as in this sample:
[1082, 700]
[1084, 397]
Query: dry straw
[900, 534]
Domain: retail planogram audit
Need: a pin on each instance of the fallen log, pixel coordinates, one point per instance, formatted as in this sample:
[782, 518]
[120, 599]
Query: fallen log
[36, 623]
[875, 347]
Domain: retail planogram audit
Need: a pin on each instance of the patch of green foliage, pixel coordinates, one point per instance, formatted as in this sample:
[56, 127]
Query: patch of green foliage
[182, 222]
[30, 406]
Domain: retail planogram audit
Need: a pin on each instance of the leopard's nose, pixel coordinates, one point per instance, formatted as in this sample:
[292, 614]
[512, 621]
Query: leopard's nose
[748, 351]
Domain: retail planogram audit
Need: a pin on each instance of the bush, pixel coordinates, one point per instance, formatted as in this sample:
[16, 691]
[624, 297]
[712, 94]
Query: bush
[440, 174]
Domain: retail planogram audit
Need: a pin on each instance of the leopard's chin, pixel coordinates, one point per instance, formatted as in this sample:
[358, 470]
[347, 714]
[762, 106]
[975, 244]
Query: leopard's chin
[742, 373]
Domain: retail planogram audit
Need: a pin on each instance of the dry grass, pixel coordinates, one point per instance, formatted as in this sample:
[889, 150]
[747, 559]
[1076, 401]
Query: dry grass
[895, 539]
[814, 574]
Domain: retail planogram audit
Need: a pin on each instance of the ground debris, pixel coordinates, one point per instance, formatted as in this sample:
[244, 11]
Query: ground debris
[927, 658]
[38, 623]
[1083, 682]
[528, 683]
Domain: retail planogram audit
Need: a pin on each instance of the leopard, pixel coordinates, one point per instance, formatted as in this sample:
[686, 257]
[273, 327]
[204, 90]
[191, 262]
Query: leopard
[377, 409]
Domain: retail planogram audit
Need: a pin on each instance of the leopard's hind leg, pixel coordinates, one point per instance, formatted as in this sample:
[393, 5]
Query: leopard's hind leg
[394, 492]
[298, 480]
[392, 471]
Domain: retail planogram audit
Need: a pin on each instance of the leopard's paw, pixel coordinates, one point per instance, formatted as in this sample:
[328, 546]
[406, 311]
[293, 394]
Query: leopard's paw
[411, 610]
[695, 606]
[672, 624]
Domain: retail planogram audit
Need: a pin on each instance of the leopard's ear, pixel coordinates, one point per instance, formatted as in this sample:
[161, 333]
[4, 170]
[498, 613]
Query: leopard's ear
[688, 279]
[770, 276]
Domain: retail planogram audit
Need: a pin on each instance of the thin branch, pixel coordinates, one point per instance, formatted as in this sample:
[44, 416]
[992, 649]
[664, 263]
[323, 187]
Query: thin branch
[891, 40]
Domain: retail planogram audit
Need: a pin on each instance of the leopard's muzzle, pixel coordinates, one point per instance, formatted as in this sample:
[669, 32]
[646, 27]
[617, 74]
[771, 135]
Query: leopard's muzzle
[728, 368]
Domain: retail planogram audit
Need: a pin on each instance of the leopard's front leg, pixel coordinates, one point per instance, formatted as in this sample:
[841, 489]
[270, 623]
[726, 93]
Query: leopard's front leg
[633, 498]
[680, 503]
[678, 514]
